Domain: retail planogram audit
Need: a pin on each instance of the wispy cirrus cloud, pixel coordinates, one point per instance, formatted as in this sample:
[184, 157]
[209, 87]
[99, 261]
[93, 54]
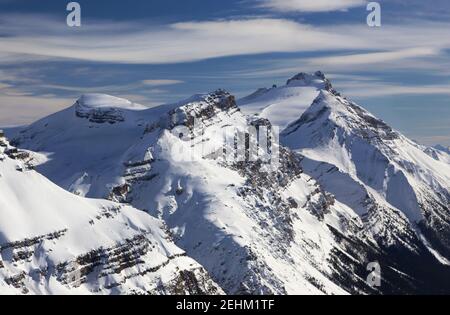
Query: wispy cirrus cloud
[310, 5]
[134, 43]
[358, 89]
[173, 43]
[160, 82]
[375, 57]
[431, 61]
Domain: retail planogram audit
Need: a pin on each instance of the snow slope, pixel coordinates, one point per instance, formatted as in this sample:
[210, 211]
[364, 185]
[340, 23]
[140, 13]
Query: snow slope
[281, 105]
[343, 143]
[54, 242]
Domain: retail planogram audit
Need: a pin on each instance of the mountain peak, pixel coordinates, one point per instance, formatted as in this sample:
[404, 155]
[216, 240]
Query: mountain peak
[316, 79]
[220, 98]
[203, 106]
[330, 111]
[97, 100]
[100, 108]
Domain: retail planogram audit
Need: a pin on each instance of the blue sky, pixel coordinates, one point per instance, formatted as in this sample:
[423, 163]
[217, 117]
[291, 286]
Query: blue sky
[154, 52]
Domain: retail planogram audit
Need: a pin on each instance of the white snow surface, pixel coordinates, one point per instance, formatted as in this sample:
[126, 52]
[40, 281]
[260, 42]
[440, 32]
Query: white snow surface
[282, 105]
[95, 100]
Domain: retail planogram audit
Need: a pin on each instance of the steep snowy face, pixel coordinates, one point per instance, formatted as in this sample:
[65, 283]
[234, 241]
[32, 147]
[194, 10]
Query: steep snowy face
[52, 241]
[281, 105]
[393, 169]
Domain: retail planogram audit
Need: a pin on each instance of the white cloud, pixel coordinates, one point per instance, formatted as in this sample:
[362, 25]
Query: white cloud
[109, 88]
[310, 5]
[358, 89]
[192, 41]
[431, 60]
[160, 82]
[179, 42]
[371, 58]
[30, 37]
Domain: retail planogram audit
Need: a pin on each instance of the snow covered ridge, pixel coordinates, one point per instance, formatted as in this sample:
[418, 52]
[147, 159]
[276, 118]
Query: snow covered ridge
[362, 161]
[339, 132]
[252, 140]
[53, 242]
[348, 191]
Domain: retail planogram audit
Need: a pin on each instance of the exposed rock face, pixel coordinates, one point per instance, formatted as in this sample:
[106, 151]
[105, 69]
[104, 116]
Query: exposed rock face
[203, 109]
[98, 115]
[104, 270]
[25, 158]
[95, 115]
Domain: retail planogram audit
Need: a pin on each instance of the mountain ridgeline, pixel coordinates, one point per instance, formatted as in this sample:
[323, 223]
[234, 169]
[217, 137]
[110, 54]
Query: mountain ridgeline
[348, 191]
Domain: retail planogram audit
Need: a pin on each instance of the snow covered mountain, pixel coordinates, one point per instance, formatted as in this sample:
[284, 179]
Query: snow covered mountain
[364, 162]
[391, 167]
[209, 206]
[337, 200]
[53, 242]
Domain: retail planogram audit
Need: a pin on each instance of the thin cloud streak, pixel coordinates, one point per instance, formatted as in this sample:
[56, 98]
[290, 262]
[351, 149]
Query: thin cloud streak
[309, 6]
[376, 57]
[377, 89]
[194, 41]
[160, 82]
